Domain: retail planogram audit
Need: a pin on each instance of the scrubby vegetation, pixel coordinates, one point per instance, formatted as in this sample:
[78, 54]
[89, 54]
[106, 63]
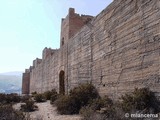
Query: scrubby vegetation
[54, 96]
[6, 107]
[83, 94]
[6, 110]
[66, 105]
[39, 97]
[28, 106]
[25, 98]
[85, 100]
[9, 98]
[140, 99]
[34, 93]
[99, 109]
[50, 94]
[97, 104]
[78, 97]
[8, 113]
[42, 97]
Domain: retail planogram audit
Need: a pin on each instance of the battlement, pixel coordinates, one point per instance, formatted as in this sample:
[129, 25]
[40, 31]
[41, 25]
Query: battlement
[27, 71]
[47, 52]
[71, 11]
[72, 24]
[36, 62]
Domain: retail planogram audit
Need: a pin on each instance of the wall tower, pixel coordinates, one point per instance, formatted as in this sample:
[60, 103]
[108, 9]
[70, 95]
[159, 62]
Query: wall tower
[72, 24]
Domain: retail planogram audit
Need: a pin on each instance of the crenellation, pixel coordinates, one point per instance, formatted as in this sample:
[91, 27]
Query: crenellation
[47, 52]
[27, 70]
[71, 12]
[36, 62]
[72, 24]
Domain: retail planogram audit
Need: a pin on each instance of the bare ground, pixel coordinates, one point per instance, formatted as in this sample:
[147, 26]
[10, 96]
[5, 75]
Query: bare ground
[48, 112]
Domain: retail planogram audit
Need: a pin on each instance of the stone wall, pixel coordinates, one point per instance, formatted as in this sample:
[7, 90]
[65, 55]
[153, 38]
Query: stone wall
[44, 76]
[26, 82]
[72, 24]
[117, 50]
[126, 46]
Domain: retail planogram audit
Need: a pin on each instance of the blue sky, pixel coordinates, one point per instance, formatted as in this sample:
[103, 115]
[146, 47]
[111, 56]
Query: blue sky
[28, 26]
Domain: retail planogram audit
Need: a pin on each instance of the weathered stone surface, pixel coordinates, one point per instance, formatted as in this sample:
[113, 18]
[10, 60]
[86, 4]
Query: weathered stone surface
[26, 82]
[117, 50]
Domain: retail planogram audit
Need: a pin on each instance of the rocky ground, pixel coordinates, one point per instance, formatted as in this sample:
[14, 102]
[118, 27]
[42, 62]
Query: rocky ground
[48, 112]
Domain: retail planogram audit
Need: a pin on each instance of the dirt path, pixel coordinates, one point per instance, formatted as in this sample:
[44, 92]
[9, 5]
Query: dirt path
[47, 112]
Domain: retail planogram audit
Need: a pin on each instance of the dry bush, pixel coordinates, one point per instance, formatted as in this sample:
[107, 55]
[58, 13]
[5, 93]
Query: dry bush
[54, 96]
[78, 97]
[139, 100]
[25, 98]
[65, 105]
[98, 109]
[49, 94]
[28, 106]
[8, 113]
[9, 98]
[39, 97]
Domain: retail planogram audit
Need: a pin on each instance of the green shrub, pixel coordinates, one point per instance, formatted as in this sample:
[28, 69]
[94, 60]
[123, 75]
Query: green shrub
[87, 112]
[9, 98]
[12, 98]
[97, 104]
[139, 99]
[25, 98]
[78, 97]
[8, 113]
[65, 105]
[2, 97]
[34, 93]
[39, 98]
[98, 109]
[48, 94]
[28, 106]
[83, 94]
[53, 98]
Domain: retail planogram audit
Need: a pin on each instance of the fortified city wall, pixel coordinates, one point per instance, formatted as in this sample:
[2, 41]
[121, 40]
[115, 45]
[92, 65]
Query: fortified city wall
[117, 50]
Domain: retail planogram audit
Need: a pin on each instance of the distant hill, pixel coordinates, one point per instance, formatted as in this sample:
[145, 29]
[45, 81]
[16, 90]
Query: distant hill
[10, 82]
[15, 73]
